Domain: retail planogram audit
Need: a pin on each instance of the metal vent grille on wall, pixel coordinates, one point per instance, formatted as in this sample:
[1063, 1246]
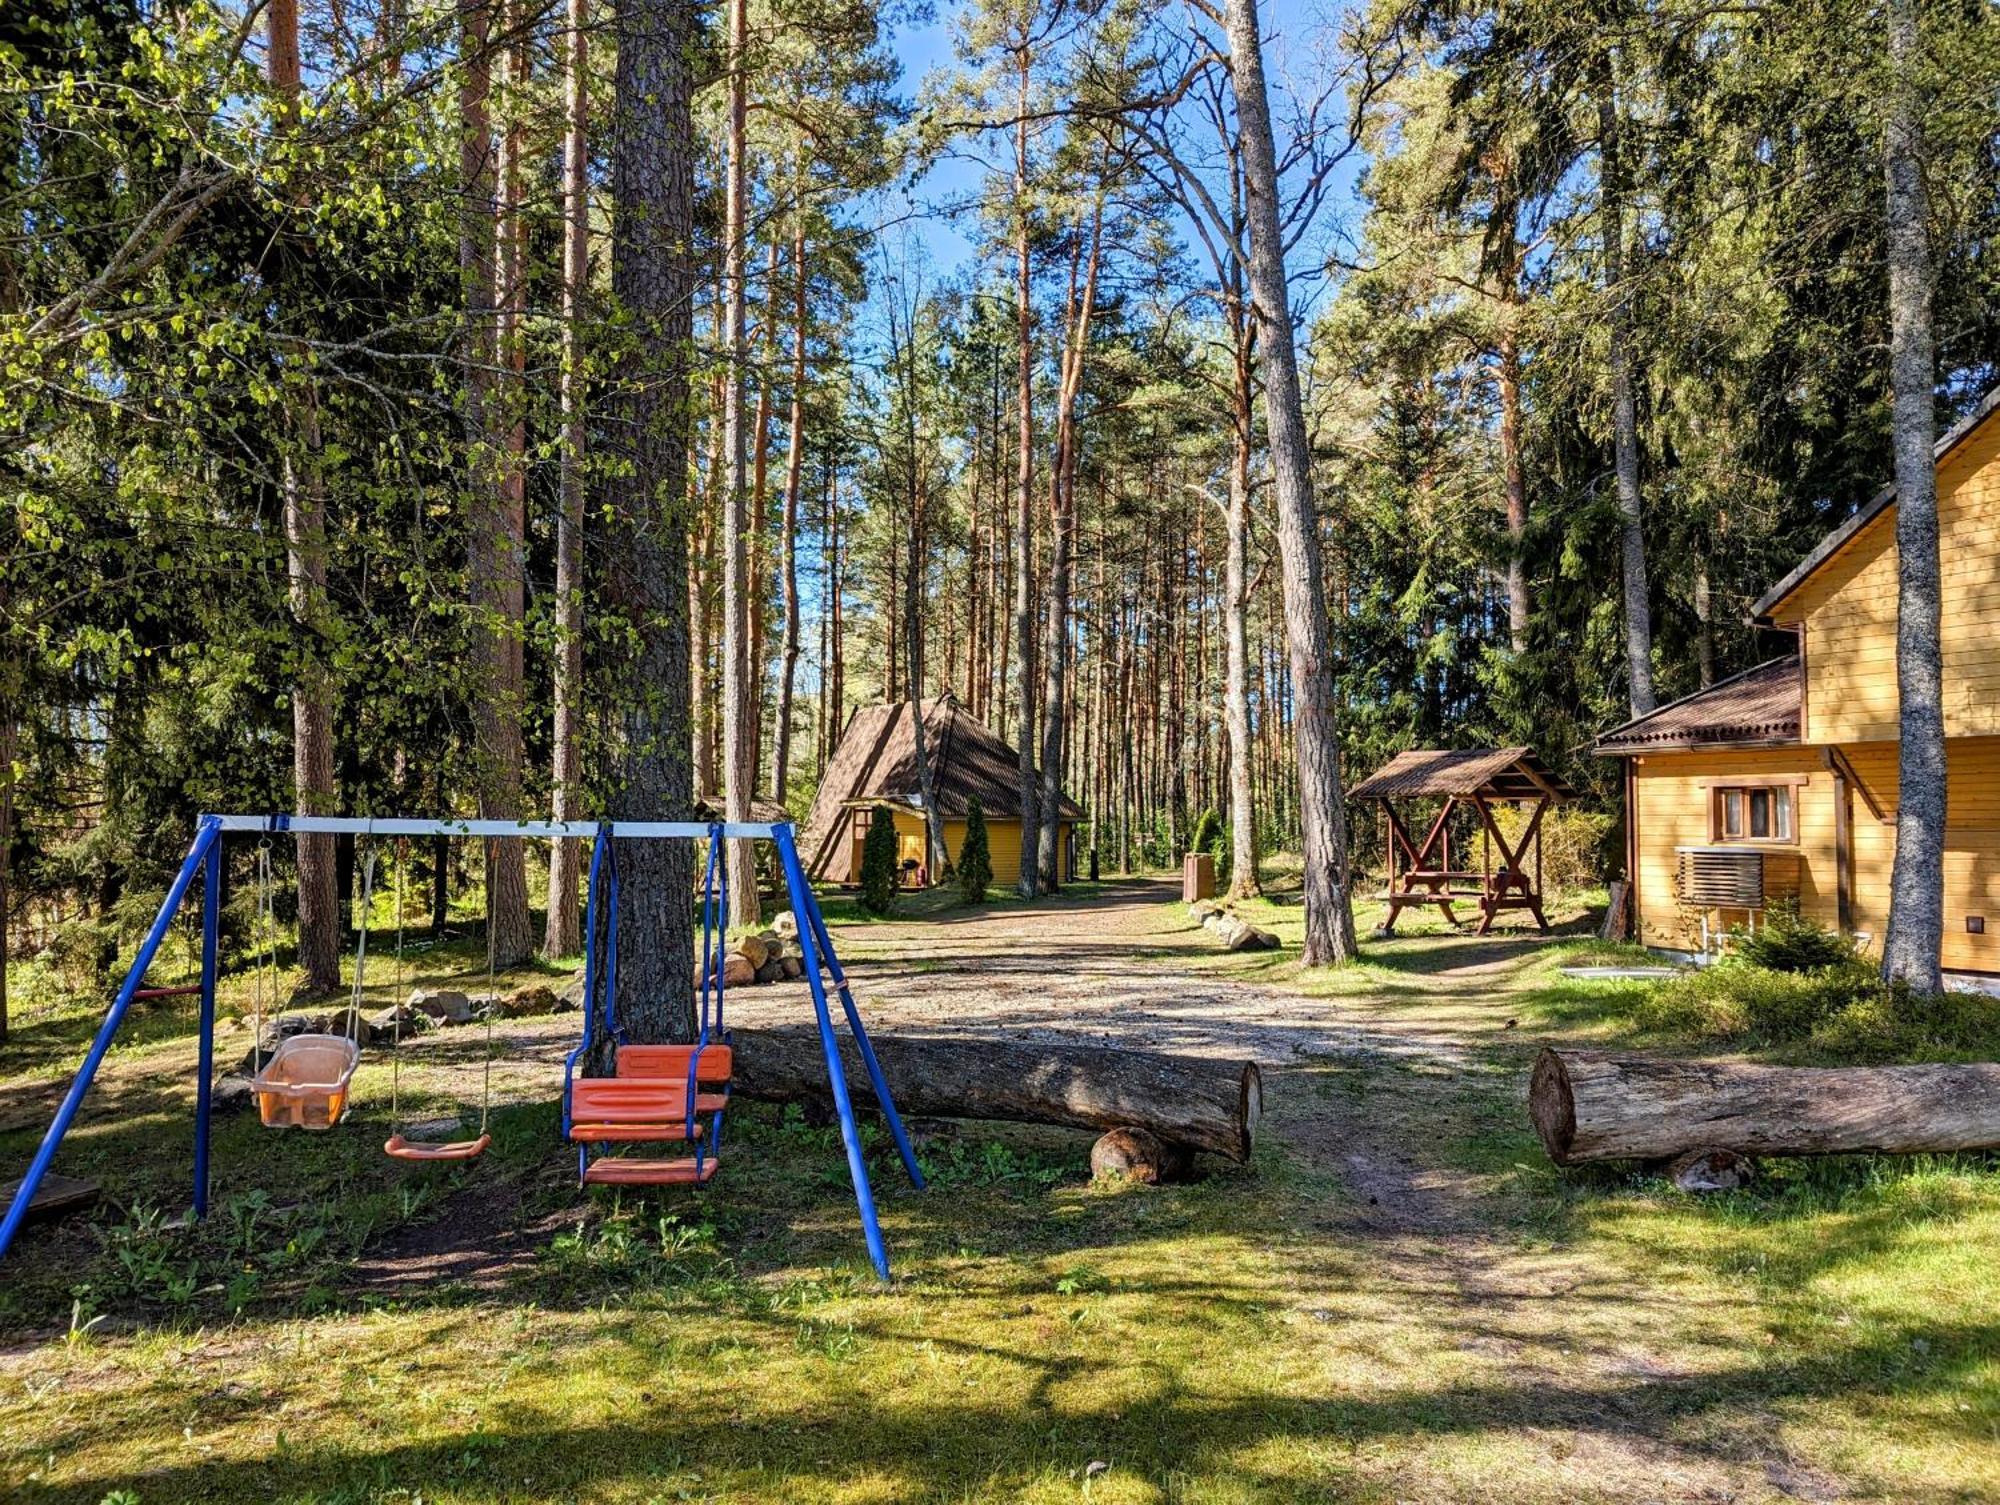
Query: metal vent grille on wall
[1721, 877]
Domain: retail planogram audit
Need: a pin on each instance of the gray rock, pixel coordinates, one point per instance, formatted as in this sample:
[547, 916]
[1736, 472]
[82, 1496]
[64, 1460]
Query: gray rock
[771, 971]
[385, 1024]
[785, 926]
[443, 1004]
[792, 968]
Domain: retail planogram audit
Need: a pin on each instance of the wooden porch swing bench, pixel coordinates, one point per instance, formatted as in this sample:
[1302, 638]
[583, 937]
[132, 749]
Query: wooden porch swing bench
[1421, 874]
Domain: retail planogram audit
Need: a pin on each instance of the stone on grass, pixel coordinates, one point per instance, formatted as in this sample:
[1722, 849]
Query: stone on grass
[1139, 1155]
[533, 998]
[443, 1004]
[785, 926]
[385, 1023]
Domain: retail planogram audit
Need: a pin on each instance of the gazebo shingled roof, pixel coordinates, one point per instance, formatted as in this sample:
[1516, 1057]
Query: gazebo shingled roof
[1495, 773]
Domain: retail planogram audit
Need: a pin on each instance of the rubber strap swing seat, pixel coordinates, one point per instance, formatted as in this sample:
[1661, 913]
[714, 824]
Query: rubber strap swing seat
[397, 1146]
[656, 1093]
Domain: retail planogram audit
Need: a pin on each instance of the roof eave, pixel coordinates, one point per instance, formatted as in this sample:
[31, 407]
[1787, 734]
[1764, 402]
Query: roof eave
[1957, 434]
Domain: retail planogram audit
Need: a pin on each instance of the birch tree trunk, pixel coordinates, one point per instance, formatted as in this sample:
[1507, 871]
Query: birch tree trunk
[1624, 411]
[739, 740]
[1329, 934]
[645, 532]
[306, 562]
[563, 934]
[1915, 936]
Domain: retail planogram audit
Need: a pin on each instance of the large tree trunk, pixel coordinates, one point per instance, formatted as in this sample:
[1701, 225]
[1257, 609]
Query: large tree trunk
[1062, 549]
[563, 935]
[493, 544]
[1910, 950]
[1515, 471]
[1322, 811]
[645, 532]
[781, 753]
[1243, 879]
[739, 710]
[306, 565]
[1186, 1100]
[1024, 494]
[1611, 191]
[935, 859]
[1588, 1107]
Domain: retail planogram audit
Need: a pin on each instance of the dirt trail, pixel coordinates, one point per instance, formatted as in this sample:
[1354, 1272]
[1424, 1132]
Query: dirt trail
[1570, 1348]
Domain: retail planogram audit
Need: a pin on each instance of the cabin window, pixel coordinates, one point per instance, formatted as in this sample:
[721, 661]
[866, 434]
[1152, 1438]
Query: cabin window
[1752, 813]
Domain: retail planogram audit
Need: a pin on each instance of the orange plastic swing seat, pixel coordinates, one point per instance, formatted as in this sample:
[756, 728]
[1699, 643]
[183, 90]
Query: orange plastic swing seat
[613, 1170]
[647, 1102]
[399, 1148]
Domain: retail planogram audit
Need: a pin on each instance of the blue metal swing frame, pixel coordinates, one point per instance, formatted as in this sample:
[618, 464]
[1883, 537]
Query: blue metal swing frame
[204, 861]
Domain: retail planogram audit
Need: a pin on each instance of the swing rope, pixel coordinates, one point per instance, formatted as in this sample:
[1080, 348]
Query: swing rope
[264, 950]
[397, 1147]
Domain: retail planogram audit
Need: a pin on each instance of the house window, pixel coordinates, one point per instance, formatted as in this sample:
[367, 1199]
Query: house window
[1753, 813]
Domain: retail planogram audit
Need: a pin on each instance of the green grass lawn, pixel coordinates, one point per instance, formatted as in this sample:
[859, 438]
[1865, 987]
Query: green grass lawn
[1831, 1332]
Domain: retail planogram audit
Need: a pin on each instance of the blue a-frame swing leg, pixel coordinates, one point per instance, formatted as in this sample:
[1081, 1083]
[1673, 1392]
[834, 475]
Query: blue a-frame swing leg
[206, 839]
[211, 917]
[804, 909]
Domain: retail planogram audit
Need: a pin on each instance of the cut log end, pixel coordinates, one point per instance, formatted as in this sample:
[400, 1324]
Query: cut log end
[1553, 1106]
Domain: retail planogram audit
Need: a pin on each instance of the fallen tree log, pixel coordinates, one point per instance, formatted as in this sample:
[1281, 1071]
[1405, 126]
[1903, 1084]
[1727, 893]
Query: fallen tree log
[1587, 1106]
[1185, 1100]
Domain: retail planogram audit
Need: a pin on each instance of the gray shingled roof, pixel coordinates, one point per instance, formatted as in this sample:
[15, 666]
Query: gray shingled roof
[1760, 705]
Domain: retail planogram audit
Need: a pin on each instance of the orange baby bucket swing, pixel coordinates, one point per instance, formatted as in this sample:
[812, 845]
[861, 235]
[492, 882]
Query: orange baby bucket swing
[399, 1146]
[304, 1083]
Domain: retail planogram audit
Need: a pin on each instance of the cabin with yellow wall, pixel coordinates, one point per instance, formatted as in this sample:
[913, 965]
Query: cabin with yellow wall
[875, 766]
[1780, 783]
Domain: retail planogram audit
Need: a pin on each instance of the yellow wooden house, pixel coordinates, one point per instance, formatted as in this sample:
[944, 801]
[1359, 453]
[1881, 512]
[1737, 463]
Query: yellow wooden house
[875, 764]
[1781, 782]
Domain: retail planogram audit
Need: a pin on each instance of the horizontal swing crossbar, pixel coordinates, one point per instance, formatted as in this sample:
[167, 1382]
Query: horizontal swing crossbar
[344, 825]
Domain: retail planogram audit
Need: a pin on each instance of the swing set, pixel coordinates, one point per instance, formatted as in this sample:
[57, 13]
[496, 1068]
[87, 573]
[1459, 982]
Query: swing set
[653, 1094]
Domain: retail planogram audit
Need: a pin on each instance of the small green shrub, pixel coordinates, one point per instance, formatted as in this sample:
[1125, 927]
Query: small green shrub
[1211, 835]
[1573, 841]
[878, 863]
[1788, 941]
[1892, 1023]
[975, 857]
[1845, 1011]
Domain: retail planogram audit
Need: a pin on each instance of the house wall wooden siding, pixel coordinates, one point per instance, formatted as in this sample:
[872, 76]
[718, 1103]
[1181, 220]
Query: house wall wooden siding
[1671, 809]
[1847, 610]
[1003, 842]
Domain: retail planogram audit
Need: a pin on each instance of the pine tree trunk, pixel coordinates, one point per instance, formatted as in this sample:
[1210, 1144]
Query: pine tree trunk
[1515, 470]
[1243, 879]
[646, 511]
[306, 566]
[1062, 530]
[1911, 948]
[563, 935]
[1624, 408]
[1329, 933]
[781, 758]
[1024, 499]
[739, 710]
[494, 546]
[760, 513]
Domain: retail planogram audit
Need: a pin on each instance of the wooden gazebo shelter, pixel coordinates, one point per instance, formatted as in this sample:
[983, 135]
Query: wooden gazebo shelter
[1421, 873]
